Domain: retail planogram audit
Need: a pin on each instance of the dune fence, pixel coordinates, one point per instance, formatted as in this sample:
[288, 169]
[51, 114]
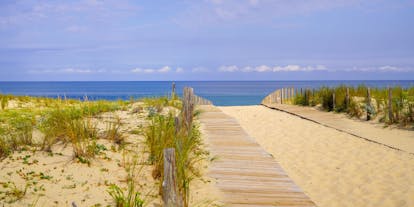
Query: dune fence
[182, 153]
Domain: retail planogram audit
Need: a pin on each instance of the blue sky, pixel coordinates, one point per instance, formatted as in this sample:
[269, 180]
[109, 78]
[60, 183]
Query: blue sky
[206, 40]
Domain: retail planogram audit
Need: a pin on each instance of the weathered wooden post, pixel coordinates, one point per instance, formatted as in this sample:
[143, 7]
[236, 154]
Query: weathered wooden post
[177, 124]
[188, 107]
[369, 108]
[170, 194]
[306, 97]
[173, 90]
[347, 98]
[287, 95]
[281, 96]
[333, 101]
[390, 113]
[301, 92]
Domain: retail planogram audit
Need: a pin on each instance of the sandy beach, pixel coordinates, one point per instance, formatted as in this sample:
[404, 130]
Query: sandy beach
[333, 168]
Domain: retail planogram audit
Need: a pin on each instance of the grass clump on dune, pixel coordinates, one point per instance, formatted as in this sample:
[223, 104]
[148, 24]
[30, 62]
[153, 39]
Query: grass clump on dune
[16, 129]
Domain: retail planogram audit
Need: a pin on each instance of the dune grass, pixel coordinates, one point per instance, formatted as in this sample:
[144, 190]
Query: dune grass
[358, 104]
[59, 120]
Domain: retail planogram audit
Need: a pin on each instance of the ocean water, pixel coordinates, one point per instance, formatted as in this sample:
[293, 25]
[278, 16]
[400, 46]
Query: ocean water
[221, 93]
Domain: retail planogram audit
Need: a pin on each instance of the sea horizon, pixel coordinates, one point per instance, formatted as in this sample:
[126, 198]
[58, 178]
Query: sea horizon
[221, 93]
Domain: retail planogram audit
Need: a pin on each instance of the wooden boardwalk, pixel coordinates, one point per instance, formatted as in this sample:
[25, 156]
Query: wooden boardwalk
[375, 132]
[245, 174]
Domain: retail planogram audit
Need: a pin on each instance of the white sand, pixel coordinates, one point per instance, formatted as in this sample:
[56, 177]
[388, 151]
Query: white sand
[333, 168]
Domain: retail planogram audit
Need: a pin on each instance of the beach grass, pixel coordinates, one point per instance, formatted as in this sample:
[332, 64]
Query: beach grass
[358, 104]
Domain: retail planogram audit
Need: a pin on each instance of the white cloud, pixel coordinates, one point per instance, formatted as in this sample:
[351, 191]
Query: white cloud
[389, 68]
[385, 68]
[164, 69]
[263, 68]
[67, 71]
[266, 68]
[231, 68]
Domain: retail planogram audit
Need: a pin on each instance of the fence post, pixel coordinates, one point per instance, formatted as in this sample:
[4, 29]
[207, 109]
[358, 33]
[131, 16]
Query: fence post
[173, 90]
[333, 101]
[281, 96]
[347, 98]
[177, 124]
[368, 104]
[305, 96]
[390, 113]
[188, 107]
[170, 195]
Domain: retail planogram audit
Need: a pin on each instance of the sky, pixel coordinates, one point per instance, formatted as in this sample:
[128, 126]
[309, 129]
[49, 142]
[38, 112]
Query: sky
[115, 40]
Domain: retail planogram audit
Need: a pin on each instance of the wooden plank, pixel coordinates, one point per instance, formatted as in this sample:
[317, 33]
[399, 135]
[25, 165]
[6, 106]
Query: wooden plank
[246, 174]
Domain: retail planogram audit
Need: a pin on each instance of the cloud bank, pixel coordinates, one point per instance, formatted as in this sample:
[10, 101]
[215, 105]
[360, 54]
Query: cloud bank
[266, 68]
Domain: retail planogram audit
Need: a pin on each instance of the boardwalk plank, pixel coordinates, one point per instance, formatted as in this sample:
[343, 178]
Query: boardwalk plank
[246, 174]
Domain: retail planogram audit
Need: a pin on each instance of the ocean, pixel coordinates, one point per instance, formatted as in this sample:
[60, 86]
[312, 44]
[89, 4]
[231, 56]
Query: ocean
[221, 93]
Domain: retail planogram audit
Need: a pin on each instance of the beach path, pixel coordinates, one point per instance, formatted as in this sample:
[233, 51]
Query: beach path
[244, 172]
[394, 138]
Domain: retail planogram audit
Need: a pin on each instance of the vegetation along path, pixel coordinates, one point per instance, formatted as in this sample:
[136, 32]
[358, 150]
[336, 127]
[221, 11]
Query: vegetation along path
[375, 132]
[244, 172]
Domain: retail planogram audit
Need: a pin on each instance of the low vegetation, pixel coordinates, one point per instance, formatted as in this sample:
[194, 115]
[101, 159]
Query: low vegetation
[357, 103]
[40, 124]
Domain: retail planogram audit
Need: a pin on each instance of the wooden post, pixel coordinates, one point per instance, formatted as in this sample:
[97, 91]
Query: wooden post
[347, 98]
[281, 96]
[301, 92]
[368, 104]
[170, 195]
[177, 124]
[173, 90]
[305, 97]
[286, 95]
[333, 101]
[390, 113]
[188, 107]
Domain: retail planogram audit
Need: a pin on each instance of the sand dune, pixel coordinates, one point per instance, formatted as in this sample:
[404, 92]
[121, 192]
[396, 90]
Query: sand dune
[333, 168]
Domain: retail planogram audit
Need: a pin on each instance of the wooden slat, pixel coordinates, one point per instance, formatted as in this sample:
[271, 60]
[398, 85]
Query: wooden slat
[245, 174]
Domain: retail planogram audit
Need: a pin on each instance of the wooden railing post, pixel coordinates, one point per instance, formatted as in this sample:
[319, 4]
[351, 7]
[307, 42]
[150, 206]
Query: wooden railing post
[347, 98]
[281, 96]
[368, 104]
[390, 113]
[173, 90]
[188, 107]
[333, 101]
[170, 195]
